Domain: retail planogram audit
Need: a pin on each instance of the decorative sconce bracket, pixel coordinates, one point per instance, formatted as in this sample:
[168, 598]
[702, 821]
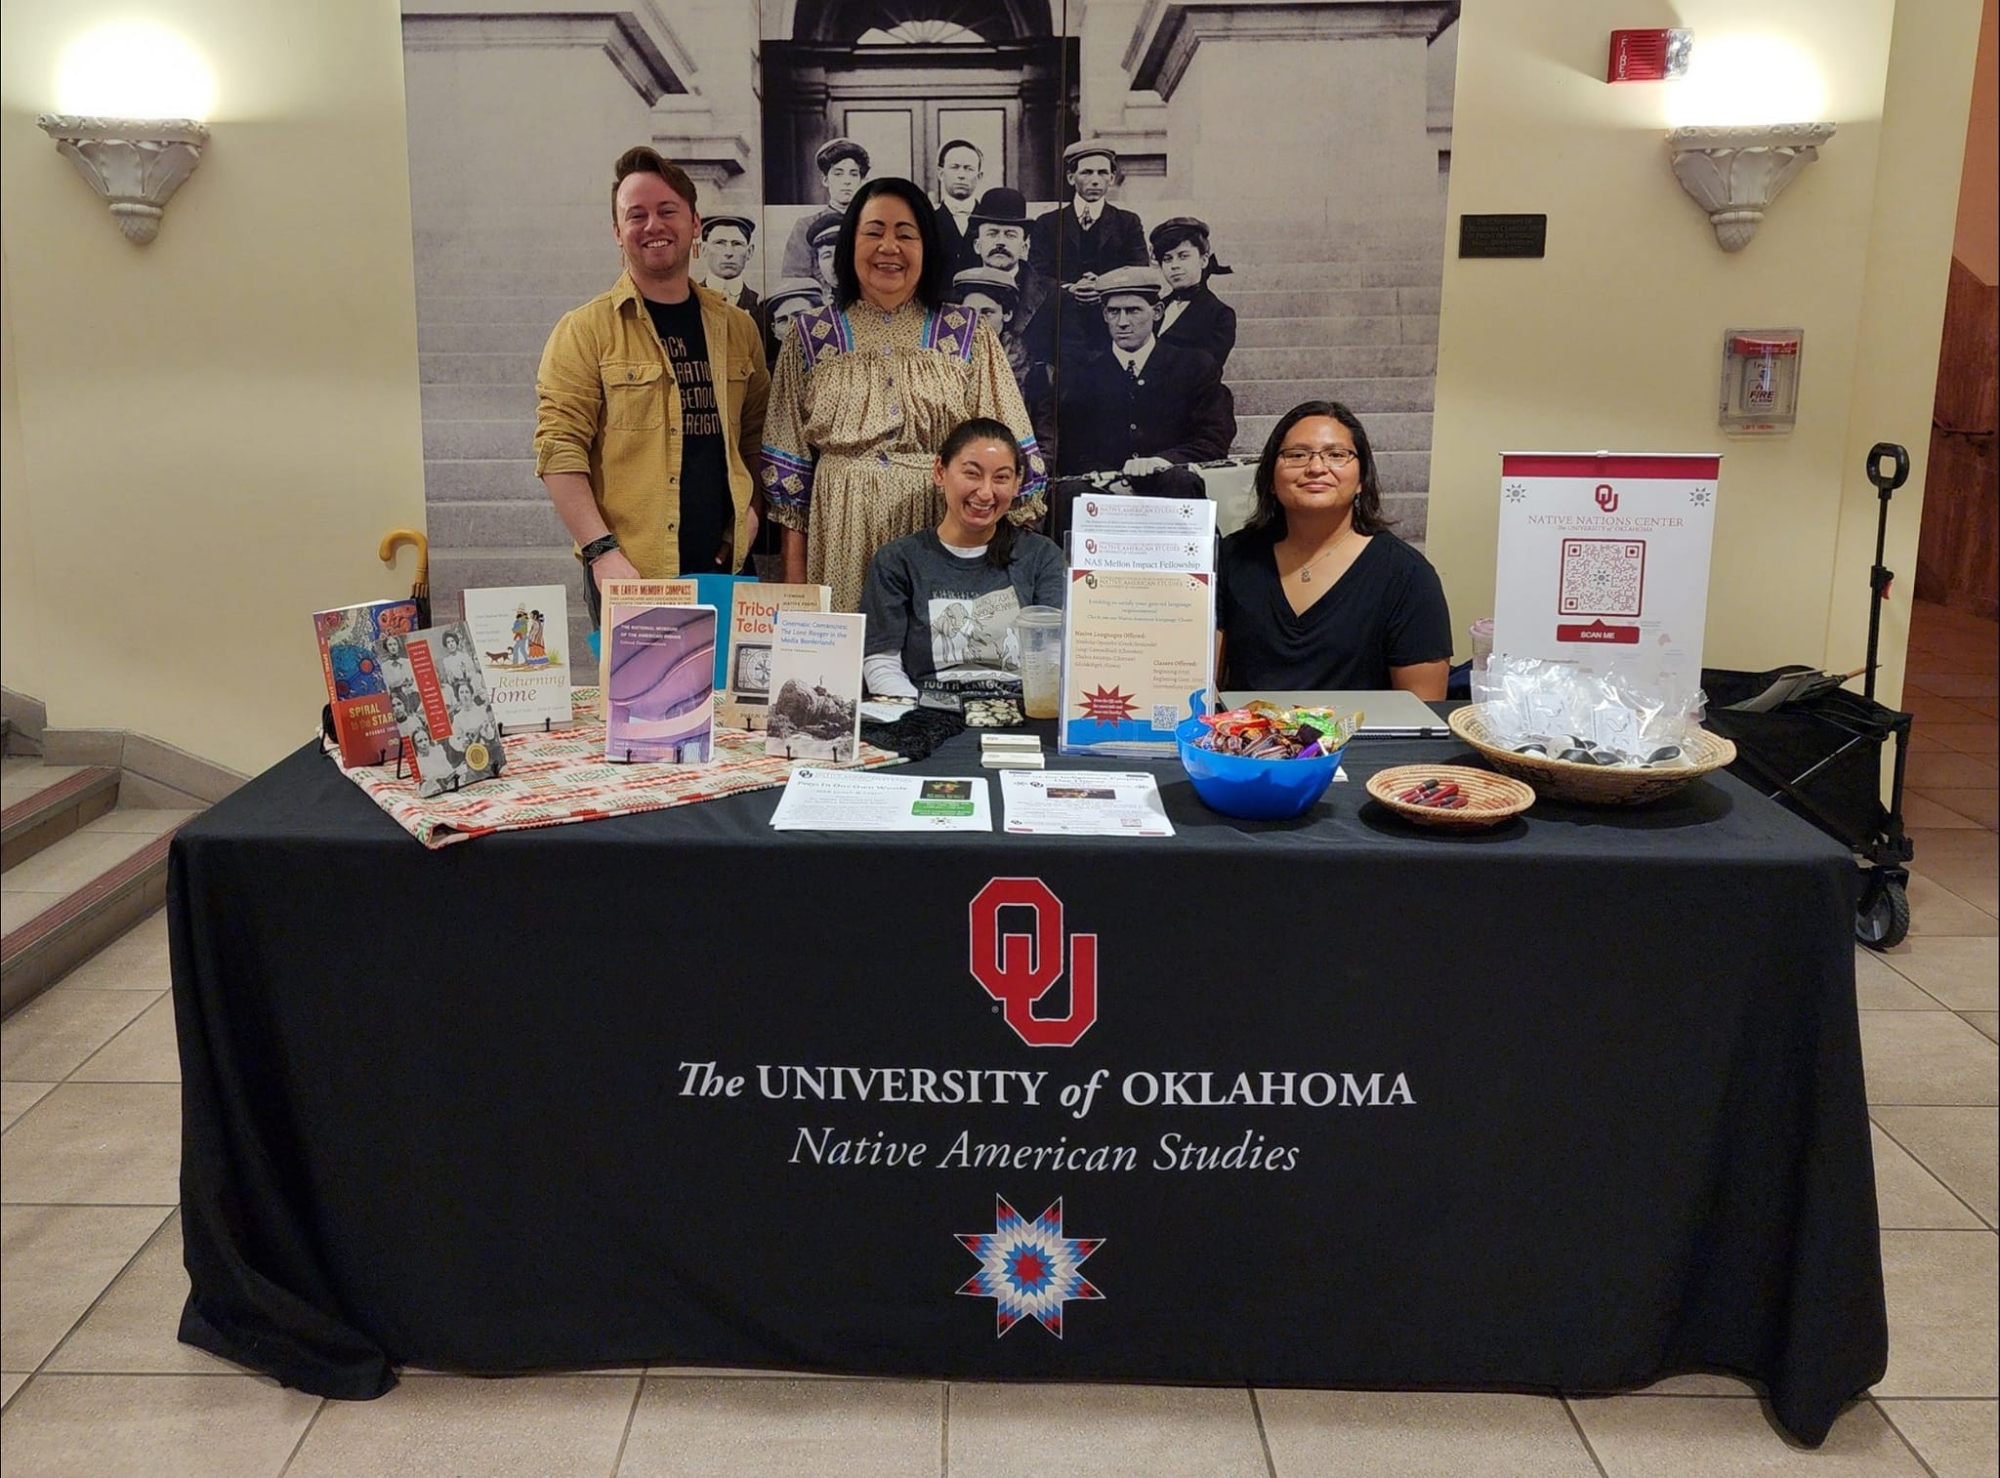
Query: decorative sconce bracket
[136, 164]
[1735, 173]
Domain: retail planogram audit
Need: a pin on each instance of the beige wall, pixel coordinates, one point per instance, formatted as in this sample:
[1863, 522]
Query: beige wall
[1614, 339]
[206, 437]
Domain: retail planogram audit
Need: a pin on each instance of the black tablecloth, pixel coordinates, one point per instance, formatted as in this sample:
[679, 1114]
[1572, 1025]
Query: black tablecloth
[1571, 1105]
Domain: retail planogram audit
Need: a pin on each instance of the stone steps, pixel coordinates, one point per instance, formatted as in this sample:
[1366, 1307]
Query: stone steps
[80, 870]
[515, 402]
[1356, 361]
[508, 439]
[1367, 398]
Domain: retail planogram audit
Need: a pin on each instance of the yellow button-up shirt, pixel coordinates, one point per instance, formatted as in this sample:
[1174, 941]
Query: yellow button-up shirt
[607, 405]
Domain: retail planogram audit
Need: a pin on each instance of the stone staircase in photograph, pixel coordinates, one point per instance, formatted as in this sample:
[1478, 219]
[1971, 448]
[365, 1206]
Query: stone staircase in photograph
[1346, 312]
[487, 297]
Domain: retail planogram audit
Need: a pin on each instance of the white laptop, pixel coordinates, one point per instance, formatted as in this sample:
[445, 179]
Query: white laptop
[1389, 712]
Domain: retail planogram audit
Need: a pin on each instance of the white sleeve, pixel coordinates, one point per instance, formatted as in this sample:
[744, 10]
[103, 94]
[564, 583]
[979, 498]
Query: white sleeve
[884, 675]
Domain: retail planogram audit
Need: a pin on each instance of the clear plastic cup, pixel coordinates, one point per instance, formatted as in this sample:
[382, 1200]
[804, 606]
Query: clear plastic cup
[1040, 629]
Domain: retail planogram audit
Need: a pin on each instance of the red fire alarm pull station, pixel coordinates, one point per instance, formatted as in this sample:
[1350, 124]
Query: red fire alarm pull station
[1649, 56]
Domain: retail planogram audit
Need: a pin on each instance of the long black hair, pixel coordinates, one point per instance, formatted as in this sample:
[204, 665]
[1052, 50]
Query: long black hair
[1270, 513]
[1000, 551]
[930, 282]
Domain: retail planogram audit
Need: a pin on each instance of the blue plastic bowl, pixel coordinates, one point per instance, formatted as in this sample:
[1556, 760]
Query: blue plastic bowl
[1253, 790]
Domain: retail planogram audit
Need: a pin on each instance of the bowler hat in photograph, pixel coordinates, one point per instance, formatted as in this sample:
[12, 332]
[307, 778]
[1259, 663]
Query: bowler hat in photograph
[834, 150]
[1000, 207]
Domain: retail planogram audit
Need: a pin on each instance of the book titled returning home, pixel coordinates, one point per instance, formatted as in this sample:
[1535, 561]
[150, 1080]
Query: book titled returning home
[815, 709]
[520, 634]
[442, 707]
[364, 723]
[659, 683]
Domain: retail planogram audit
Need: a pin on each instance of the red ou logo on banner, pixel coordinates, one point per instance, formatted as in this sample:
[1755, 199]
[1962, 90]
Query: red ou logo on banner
[1607, 497]
[1017, 970]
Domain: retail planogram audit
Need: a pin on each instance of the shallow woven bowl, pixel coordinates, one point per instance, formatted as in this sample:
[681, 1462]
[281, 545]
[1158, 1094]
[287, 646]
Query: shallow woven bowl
[1592, 785]
[1489, 798]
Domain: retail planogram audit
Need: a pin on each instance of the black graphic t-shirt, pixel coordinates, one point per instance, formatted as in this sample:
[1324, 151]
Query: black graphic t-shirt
[708, 515]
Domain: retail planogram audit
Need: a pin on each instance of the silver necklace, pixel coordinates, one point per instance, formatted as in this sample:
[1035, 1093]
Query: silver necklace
[1305, 570]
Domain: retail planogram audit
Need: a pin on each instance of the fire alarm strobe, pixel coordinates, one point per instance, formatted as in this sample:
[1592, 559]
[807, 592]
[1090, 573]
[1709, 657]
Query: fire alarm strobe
[1649, 56]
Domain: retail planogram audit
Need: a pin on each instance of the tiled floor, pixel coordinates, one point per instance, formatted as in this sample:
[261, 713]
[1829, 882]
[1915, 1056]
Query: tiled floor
[95, 1383]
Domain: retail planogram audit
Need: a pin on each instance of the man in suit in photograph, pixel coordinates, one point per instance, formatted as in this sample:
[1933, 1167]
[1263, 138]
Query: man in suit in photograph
[1141, 408]
[1000, 244]
[727, 243]
[1078, 242]
[960, 164]
[1194, 318]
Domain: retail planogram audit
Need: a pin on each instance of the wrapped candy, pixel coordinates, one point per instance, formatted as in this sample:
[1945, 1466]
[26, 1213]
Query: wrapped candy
[1265, 731]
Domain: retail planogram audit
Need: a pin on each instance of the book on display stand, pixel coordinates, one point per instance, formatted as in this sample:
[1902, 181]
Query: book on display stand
[442, 707]
[520, 635]
[364, 722]
[815, 709]
[659, 683]
[753, 629]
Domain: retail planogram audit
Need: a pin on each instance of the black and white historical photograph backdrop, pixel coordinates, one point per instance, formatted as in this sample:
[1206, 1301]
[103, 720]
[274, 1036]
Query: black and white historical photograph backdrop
[1248, 198]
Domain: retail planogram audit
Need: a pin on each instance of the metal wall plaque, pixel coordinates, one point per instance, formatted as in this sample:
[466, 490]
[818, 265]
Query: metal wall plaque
[1503, 236]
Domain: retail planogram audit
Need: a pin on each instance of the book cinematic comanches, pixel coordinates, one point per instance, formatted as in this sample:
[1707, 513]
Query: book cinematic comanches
[440, 701]
[815, 708]
[364, 723]
[753, 628]
[520, 634]
[659, 682]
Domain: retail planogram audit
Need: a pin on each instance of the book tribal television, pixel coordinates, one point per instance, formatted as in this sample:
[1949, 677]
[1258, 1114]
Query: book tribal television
[753, 627]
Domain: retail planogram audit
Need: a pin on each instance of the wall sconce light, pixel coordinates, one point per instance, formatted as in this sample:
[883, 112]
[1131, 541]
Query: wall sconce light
[136, 164]
[1735, 173]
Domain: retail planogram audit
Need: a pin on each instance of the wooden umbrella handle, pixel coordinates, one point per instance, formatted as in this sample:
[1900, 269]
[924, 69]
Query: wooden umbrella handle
[395, 538]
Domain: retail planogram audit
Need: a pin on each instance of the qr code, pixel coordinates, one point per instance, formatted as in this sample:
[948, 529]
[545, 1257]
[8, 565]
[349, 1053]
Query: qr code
[1603, 577]
[1165, 716]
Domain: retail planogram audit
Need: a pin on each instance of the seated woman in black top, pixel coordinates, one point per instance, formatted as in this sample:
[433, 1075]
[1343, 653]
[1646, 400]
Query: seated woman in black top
[1316, 593]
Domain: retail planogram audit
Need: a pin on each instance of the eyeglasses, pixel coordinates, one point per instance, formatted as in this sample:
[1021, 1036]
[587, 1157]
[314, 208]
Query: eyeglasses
[1336, 457]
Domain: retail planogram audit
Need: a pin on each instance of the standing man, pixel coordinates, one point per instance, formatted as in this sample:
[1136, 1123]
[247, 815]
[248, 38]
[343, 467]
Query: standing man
[843, 165]
[650, 401]
[727, 244]
[1077, 242]
[960, 166]
[1142, 408]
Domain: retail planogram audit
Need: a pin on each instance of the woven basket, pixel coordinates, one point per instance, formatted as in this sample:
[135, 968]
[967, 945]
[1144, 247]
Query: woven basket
[1592, 785]
[1489, 798]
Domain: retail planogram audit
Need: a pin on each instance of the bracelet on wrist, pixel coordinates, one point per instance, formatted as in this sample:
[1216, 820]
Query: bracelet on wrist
[596, 549]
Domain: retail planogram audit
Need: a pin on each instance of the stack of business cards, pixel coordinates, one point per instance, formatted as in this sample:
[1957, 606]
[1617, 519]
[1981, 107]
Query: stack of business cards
[998, 751]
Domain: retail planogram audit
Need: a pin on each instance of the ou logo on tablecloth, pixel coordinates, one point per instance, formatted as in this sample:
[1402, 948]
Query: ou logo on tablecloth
[1017, 970]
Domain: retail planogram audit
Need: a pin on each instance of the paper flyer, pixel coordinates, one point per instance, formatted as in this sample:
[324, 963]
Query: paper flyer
[1603, 559]
[1083, 803]
[860, 800]
[1165, 517]
[1138, 651]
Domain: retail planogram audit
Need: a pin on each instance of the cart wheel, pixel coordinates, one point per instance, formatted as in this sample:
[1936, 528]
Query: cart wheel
[1884, 921]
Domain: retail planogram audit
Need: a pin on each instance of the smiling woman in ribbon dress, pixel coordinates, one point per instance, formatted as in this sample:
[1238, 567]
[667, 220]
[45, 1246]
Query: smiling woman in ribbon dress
[866, 390]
